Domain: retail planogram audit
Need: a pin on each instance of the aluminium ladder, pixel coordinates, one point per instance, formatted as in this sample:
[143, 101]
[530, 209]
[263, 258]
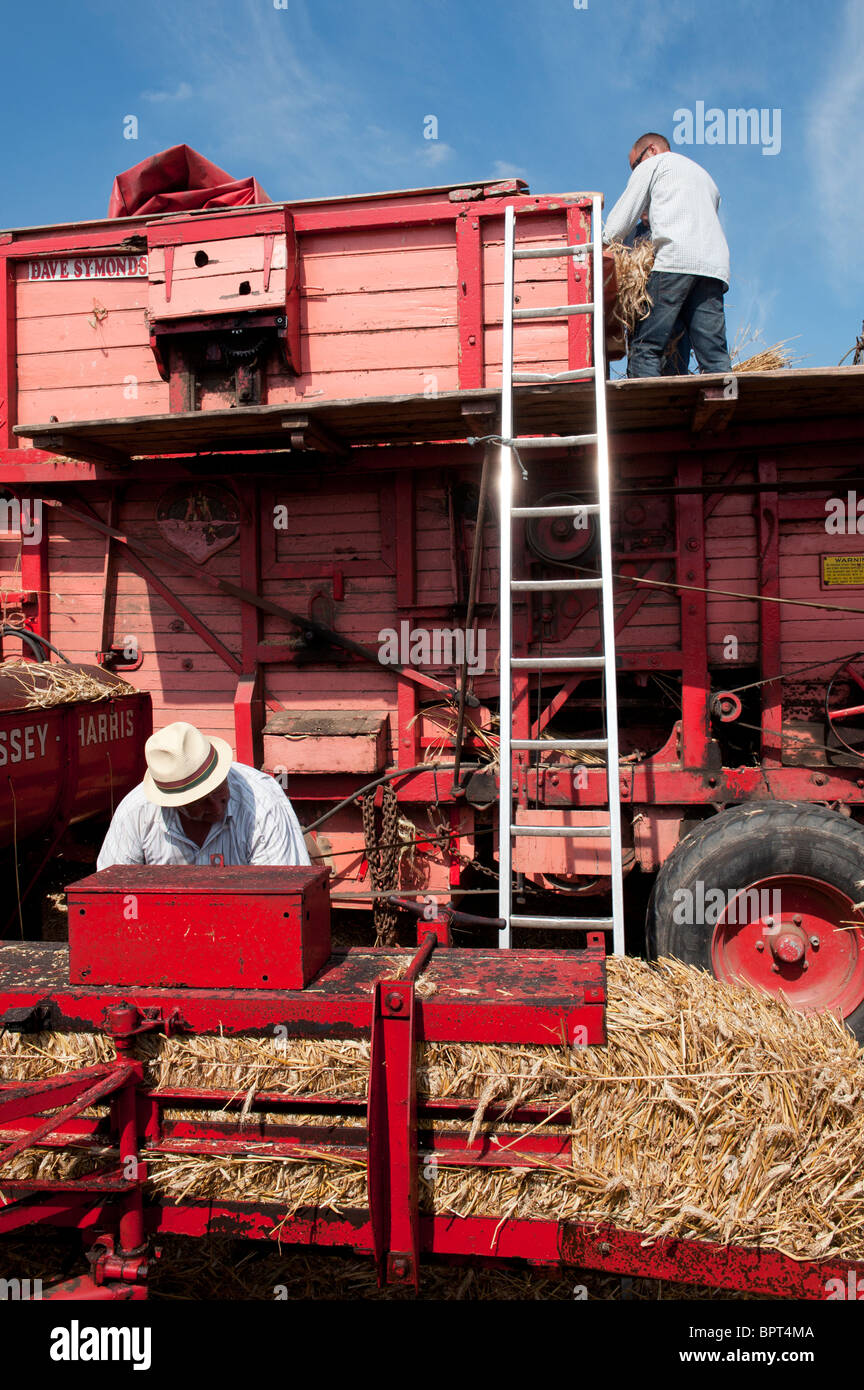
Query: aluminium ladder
[604, 661]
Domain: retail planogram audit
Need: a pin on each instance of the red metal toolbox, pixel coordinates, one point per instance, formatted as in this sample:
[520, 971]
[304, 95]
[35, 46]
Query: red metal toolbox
[245, 927]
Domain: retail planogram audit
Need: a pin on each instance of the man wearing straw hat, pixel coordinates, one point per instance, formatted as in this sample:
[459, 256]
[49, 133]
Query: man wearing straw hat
[691, 265]
[197, 806]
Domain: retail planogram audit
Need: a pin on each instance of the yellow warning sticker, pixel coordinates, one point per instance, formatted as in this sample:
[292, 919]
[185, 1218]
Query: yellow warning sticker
[843, 569]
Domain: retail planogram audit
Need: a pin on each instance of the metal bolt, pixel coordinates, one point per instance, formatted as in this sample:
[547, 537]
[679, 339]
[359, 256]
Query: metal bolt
[604, 1247]
[692, 545]
[805, 965]
[815, 942]
[760, 945]
[394, 1001]
[775, 969]
[797, 919]
[769, 921]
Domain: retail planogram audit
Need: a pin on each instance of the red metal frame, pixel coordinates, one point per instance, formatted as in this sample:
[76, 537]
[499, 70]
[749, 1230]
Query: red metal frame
[110, 1208]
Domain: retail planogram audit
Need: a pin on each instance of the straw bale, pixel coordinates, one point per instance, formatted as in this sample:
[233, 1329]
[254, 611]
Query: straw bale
[295, 1066]
[32, 1056]
[713, 1112]
[311, 1181]
[52, 1163]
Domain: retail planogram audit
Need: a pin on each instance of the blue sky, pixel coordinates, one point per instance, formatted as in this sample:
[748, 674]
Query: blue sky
[329, 97]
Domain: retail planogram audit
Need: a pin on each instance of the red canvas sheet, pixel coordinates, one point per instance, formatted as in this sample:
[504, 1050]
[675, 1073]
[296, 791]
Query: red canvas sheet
[179, 180]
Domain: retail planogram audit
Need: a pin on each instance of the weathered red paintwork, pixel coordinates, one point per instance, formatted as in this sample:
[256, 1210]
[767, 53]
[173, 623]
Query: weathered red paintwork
[65, 763]
[266, 926]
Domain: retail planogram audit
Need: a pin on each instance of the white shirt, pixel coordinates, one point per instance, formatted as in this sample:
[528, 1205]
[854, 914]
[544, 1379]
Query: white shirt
[682, 202]
[259, 827]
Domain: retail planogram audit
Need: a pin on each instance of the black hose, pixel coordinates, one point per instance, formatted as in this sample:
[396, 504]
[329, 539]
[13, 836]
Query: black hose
[32, 638]
[27, 638]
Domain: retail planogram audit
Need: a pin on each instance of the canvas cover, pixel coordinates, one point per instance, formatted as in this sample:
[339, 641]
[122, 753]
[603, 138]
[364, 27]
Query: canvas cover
[179, 180]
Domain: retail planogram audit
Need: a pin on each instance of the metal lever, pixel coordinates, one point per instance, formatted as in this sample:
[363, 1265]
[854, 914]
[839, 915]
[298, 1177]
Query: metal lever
[450, 914]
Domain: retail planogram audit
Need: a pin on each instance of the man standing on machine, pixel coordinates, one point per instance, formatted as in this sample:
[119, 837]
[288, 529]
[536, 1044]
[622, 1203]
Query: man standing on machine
[691, 264]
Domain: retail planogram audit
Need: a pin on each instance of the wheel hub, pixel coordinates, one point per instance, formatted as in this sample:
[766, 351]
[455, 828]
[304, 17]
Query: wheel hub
[789, 945]
[795, 934]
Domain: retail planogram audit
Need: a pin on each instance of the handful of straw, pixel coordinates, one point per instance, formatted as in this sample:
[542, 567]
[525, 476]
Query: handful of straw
[769, 359]
[633, 265]
[47, 683]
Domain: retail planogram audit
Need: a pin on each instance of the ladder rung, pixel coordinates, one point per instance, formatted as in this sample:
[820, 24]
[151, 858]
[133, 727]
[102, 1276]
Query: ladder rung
[554, 311]
[567, 923]
[588, 744]
[527, 253]
[538, 585]
[551, 832]
[586, 509]
[551, 441]
[583, 375]
[557, 663]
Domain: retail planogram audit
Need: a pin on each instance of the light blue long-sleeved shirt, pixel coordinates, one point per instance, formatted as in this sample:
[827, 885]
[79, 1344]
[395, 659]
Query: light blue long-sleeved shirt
[259, 827]
[682, 202]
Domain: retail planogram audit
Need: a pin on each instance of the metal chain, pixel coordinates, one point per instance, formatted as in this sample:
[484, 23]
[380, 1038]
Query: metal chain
[443, 836]
[383, 862]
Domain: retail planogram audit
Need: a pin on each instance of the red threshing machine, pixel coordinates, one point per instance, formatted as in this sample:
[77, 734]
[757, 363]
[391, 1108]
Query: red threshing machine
[256, 430]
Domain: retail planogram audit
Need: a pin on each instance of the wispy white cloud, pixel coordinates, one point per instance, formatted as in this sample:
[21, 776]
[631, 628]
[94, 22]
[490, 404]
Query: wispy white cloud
[279, 98]
[182, 92]
[748, 314]
[503, 169]
[835, 119]
[646, 27]
[434, 152]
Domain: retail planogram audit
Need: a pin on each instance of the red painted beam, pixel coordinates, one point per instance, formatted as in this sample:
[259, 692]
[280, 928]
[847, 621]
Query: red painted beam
[469, 299]
[551, 1244]
[424, 214]
[8, 354]
[690, 567]
[29, 1097]
[392, 1178]
[770, 615]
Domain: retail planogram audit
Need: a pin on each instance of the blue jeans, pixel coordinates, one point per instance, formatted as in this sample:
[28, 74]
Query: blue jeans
[697, 300]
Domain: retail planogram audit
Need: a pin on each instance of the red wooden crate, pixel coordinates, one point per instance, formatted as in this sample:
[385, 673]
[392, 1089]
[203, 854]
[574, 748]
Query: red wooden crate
[244, 927]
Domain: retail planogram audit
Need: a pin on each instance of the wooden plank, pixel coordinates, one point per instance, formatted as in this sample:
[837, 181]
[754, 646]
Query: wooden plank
[377, 311]
[74, 404]
[47, 299]
[74, 332]
[637, 405]
[326, 723]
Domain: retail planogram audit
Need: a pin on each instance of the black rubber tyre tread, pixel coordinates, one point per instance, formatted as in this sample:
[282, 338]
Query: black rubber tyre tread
[746, 843]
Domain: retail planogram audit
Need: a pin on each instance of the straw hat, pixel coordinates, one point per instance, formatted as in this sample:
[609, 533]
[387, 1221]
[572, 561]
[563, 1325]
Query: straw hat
[184, 765]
